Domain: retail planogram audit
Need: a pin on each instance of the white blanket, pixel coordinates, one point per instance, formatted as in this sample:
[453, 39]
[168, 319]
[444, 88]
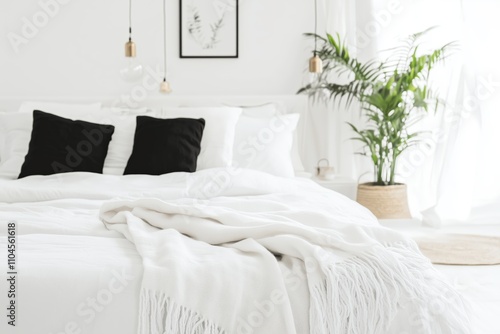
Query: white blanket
[209, 264]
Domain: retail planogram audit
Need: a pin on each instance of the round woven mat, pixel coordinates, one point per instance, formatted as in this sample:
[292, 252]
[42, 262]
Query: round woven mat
[460, 249]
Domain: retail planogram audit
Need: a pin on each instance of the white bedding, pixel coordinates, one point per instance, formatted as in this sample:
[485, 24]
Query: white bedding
[76, 274]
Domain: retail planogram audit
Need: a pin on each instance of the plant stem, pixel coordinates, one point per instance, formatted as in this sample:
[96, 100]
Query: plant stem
[380, 170]
[393, 170]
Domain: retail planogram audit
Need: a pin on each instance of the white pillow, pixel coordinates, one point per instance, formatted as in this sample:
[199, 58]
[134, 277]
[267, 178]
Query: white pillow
[16, 132]
[265, 143]
[270, 110]
[121, 145]
[2, 140]
[218, 135]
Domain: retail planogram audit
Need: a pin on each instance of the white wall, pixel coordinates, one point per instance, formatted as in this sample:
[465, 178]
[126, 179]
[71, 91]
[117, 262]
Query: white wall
[79, 52]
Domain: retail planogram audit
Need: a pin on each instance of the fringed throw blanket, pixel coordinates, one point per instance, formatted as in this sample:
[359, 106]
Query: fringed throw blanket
[211, 263]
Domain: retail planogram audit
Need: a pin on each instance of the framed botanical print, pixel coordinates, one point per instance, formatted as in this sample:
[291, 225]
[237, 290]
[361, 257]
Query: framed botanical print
[208, 28]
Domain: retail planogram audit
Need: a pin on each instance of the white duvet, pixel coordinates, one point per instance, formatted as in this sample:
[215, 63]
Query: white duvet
[76, 276]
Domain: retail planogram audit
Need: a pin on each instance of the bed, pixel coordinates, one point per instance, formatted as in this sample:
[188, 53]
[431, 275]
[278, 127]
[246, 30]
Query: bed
[241, 248]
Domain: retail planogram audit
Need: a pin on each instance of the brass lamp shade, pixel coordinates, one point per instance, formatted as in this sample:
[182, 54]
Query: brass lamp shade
[315, 64]
[130, 50]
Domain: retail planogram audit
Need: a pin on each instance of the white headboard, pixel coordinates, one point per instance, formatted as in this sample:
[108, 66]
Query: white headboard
[293, 103]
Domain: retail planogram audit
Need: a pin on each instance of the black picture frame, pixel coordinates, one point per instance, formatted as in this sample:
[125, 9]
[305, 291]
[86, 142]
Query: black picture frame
[230, 8]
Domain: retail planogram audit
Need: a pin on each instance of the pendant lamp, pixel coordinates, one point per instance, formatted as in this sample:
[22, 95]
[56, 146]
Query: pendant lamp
[315, 63]
[132, 71]
[165, 86]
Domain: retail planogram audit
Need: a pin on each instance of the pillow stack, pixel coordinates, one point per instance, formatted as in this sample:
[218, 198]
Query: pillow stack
[51, 138]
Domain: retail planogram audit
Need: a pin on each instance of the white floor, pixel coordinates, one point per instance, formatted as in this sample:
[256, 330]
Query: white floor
[480, 285]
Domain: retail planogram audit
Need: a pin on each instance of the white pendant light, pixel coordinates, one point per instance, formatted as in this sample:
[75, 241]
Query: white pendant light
[315, 63]
[132, 70]
[165, 86]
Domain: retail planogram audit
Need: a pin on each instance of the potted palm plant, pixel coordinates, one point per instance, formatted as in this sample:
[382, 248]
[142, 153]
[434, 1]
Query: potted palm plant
[393, 94]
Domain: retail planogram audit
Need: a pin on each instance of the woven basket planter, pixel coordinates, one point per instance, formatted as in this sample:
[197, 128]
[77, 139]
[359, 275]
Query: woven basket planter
[385, 202]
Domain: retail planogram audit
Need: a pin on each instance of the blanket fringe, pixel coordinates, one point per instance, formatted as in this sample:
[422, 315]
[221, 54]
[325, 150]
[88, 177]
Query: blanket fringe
[378, 285]
[159, 314]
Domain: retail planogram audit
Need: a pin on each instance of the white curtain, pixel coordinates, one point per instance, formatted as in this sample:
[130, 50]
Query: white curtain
[455, 177]
[468, 190]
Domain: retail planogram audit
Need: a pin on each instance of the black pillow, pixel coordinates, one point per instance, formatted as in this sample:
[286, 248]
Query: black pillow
[60, 145]
[165, 145]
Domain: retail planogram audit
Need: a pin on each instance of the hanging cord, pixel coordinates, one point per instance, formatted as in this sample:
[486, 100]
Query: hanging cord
[165, 39]
[315, 27]
[130, 21]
